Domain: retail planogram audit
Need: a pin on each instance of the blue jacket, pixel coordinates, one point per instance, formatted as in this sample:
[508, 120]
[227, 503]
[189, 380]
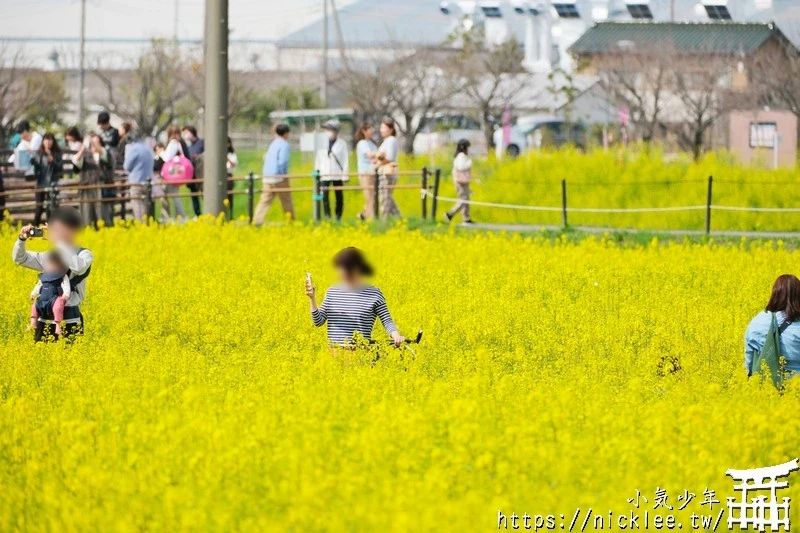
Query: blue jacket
[276, 160]
[138, 163]
[756, 335]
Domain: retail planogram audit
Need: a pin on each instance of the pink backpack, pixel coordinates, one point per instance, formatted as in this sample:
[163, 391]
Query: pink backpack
[178, 170]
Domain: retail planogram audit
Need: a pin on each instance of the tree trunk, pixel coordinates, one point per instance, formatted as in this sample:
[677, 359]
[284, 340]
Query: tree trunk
[697, 144]
[408, 142]
[488, 130]
[410, 133]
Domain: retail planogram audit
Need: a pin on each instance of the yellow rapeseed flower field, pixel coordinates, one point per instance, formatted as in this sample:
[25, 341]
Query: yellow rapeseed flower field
[612, 179]
[553, 375]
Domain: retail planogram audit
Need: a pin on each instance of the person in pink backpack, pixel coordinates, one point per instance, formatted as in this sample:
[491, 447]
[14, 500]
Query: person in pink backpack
[175, 147]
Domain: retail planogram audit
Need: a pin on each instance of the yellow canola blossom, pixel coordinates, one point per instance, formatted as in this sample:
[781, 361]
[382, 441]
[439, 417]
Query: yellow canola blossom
[553, 375]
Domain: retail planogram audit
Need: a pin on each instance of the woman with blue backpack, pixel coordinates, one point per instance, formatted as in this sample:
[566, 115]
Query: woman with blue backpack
[773, 336]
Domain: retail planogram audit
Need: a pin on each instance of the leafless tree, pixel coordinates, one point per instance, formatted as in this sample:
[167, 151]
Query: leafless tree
[239, 93]
[491, 77]
[366, 84]
[637, 77]
[705, 92]
[152, 93]
[776, 76]
[420, 86]
[26, 92]
[407, 88]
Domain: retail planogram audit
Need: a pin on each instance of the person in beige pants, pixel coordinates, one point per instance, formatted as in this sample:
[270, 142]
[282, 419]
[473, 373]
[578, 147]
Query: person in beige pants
[365, 150]
[462, 177]
[276, 167]
[386, 161]
[268, 195]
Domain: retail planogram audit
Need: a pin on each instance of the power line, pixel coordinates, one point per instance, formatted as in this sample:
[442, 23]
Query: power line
[122, 40]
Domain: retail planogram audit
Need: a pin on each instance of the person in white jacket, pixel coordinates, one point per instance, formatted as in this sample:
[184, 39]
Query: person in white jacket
[462, 177]
[333, 166]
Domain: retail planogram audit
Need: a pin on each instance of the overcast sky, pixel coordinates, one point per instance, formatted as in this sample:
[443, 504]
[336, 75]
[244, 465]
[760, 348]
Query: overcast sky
[262, 19]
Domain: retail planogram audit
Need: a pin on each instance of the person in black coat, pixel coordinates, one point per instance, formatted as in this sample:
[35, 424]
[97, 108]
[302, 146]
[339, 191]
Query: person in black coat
[48, 167]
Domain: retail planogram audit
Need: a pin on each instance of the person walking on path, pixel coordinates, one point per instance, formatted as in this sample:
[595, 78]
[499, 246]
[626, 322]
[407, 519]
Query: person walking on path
[48, 165]
[333, 165]
[351, 307]
[462, 177]
[386, 161]
[139, 166]
[62, 230]
[784, 302]
[274, 180]
[366, 168]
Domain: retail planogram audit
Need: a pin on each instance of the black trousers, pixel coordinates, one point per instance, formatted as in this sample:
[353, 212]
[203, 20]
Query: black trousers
[194, 187]
[326, 205]
[47, 332]
[41, 207]
[230, 188]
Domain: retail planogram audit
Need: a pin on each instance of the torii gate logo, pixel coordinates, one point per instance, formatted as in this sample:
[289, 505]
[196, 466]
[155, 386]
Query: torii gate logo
[755, 509]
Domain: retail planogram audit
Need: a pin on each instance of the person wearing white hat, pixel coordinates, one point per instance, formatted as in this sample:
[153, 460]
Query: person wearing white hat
[333, 166]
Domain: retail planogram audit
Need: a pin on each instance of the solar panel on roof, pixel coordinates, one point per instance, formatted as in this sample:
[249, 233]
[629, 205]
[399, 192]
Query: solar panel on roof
[718, 12]
[492, 12]
[640, 11]
[566, 10]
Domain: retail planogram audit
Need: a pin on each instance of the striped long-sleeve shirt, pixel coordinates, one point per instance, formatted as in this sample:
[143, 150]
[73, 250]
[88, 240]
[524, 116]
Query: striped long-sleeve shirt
[348, 311]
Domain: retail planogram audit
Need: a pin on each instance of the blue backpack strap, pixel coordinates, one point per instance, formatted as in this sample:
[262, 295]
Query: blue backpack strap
[74, 281]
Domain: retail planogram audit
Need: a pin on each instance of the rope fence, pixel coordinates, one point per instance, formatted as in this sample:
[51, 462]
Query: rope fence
[708, 207]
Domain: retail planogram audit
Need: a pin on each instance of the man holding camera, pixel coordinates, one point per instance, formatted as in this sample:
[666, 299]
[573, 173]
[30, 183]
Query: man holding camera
[63, 227]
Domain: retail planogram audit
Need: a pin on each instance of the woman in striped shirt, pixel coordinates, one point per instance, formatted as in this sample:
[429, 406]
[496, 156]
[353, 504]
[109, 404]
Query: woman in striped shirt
[351, 306]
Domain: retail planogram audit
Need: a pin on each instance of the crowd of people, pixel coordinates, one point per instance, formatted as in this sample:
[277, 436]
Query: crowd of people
[167, 167]
[98, 156]
[333, 165]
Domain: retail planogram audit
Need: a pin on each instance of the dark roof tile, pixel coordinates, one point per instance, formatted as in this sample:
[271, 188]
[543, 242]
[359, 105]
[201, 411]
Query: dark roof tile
[700, 38]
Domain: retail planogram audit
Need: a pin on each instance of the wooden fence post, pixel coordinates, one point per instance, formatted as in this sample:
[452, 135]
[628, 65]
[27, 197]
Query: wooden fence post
[708, 204]
[317, 197]
[251, 194]
[424, 193]
[123, 204]
[377, 210]
[564, 203]
[437, 177]
[151, 209]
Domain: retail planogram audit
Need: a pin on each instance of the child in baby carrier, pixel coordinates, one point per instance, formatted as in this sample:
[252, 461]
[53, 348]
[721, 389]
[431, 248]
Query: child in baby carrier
[51, 292]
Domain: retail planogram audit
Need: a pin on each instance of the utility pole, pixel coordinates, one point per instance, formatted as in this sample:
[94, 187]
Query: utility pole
[672, 10]
[216, 106]
[323, 93]
[175, 23]
[82, 75]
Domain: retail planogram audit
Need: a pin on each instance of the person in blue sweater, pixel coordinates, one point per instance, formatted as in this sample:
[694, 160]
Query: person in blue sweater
[785, 303]
[273, 176]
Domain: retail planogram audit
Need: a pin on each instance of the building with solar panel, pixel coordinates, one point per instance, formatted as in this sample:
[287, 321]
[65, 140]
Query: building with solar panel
[546, 29]
[693, 83]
